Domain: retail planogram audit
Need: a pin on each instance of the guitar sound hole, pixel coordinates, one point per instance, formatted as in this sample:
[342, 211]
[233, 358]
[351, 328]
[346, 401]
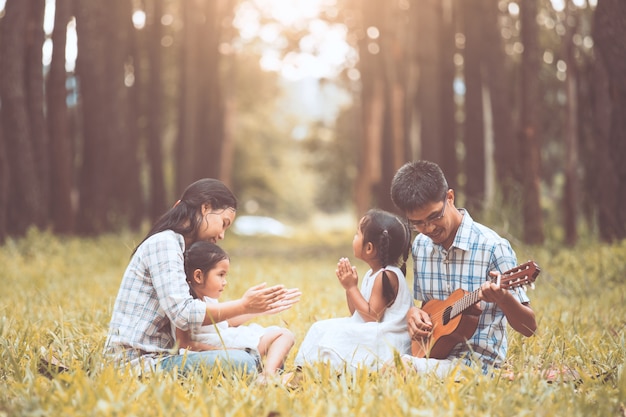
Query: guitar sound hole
[446, 315]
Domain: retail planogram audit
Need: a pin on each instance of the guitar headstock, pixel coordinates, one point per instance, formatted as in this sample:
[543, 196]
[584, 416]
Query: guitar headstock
[521, 275]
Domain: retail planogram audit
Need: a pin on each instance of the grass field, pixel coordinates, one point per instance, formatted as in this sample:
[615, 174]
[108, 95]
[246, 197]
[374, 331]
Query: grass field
[57, 293]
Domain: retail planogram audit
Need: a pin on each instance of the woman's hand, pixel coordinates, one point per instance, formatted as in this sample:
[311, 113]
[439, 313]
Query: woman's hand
[262, 299]
[290, 297]
[346, 274]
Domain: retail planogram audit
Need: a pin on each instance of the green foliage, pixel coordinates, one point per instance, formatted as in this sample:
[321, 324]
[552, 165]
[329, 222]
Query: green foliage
[333, 155]
[57, 294]
[268, 163]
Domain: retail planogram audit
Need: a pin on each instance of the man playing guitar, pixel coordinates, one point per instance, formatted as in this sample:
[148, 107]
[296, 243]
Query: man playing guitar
[450, 252]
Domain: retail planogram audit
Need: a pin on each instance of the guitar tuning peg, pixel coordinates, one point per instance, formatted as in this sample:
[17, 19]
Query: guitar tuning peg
[532, 285]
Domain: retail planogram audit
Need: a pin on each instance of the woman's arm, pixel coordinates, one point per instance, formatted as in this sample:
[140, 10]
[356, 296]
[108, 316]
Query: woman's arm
[164, 260]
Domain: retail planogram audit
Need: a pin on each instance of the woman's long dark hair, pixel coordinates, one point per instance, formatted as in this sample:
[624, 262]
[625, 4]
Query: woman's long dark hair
[185, 216]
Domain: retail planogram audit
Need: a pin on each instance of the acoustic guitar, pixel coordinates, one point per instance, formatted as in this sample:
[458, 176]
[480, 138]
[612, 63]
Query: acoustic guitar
[453, 319]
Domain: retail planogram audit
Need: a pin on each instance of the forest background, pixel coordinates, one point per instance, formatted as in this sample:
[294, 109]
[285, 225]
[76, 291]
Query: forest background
[306, 108]
[109, 109]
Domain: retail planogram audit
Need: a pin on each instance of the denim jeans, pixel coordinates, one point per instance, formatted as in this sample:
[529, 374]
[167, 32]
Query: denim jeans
[238, 362]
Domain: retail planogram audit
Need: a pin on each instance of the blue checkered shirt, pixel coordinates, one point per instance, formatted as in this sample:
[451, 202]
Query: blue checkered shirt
[476, 250]
[153, 299]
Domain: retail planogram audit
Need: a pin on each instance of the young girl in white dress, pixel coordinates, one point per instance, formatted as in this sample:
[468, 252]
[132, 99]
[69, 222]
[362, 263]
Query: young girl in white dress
[206, 267]
[377, 327]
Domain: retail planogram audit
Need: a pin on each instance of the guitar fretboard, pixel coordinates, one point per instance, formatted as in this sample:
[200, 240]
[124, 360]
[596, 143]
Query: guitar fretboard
[464, 303]
[521, 275]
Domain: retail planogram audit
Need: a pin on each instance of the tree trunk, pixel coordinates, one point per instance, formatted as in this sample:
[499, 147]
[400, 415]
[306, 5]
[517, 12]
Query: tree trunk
[123, 183]
[529, 125]
[25, 204]
[61, 156]
[138, 121]
[610, 26]
[393, 54]
[229, 89]
[35, 104]
[209, 107]
[97, 161]
[599, 174]
[449, 134]
[369, 169]
[4, 179]
[386, 92]
[570, 194]
[155, 112]
[189, 92]
[499, 81]
[474, 131]
[428, 105]
[103, 60]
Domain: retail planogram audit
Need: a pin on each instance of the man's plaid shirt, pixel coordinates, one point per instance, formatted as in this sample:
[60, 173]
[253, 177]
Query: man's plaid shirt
[475, 252]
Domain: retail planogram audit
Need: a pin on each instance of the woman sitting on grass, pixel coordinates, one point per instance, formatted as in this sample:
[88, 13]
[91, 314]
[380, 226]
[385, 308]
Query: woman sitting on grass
[377, 327]
[206, 267]
[154, 298]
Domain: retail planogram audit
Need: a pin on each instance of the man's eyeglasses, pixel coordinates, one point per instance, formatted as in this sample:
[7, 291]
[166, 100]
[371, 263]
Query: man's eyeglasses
[421, 224]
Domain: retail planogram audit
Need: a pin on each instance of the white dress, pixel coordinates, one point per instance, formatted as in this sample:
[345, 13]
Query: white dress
[350, 342]
[223, 335]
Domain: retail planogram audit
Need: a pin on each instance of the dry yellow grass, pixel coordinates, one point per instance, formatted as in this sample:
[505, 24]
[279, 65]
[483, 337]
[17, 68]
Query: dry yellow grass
[57, 293]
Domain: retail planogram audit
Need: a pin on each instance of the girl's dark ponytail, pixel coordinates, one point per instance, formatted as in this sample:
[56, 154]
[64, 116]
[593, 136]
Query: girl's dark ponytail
[383, 247]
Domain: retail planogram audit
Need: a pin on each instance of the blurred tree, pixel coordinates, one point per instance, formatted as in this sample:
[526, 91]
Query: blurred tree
[447, 73]
[609, 27]
[126, 195]
[134, 122]
[372, 99]
[382, 38]
[331, 155]
[426, 65]
[4, 188]
[104, 55]
[201, 131]
[154, 112]
[188, 96]
[24, 134]
[529, 135]
[570, 191]
[474, 127]
[61, 152]
[499, 81]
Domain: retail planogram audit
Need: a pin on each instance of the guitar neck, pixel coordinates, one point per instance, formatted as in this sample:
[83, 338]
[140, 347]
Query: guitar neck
[464, 303]
[520, 275]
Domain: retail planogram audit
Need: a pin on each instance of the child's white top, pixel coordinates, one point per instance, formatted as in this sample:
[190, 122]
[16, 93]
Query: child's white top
[352, 342]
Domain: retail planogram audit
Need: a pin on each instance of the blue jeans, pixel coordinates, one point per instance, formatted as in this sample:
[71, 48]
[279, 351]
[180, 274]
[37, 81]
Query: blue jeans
[238, 362]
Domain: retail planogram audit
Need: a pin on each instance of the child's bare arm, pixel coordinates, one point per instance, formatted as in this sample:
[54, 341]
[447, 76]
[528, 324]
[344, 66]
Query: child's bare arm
[349, 280]
[378, 300]
[375, 308]
[239, 320]
[183, 338]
